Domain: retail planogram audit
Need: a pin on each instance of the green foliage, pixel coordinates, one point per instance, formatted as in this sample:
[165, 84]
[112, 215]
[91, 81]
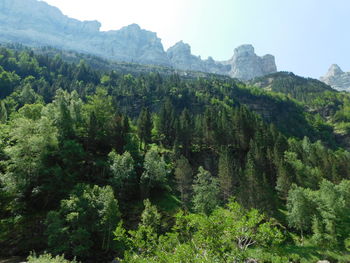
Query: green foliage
[123, 176]
[150, 216]
[300, 208]
[184, 176]
[34, 141]
[225, 235]
[155, 171]
[84, 222]
[205, 192]
[8, 81]
[324, 213]
[144, 126]
[226, 174]
[48, 258]
[65, 126]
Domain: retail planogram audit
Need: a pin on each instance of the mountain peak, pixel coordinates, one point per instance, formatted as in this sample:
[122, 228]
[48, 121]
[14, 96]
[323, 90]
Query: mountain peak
[180, 47]
[334, 70]
[247, 65]
[244, 49]
[133, 26]
[337, 78]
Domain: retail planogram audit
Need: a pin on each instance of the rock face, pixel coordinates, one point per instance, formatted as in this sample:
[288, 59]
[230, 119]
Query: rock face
[336, 78]
[35, 23]
[180, 57]
[246, 65]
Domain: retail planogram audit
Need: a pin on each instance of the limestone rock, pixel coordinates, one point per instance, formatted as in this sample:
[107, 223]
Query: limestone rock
[246, 65]
[180, 57]
[336, 78]
[35, 23]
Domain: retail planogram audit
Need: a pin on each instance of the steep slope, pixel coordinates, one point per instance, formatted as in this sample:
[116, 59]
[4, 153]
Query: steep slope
[299, 88]
[337, 78]
[80, 150]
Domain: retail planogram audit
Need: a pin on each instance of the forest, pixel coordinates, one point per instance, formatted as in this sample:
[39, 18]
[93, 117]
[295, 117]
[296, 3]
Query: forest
[98, 164]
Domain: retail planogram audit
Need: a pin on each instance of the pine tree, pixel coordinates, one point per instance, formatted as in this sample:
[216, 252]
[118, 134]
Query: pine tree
[184, 177]
[283, 182]
[144, 126]
[150, 216]
[226, 174]
[185, 133]
[166, 123]
[3, 112]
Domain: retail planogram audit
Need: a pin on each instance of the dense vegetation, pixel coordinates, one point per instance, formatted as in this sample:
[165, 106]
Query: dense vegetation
[99, 164]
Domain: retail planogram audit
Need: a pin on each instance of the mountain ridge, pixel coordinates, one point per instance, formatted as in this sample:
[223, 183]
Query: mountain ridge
[36, 23]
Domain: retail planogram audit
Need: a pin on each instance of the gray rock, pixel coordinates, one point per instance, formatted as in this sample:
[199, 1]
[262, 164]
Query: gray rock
[180, 57]
[336, 78]
[246, 65]
[35, 23]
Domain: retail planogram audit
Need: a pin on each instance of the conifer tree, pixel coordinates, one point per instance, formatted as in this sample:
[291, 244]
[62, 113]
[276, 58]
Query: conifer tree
[144, 126]
[226, 174]
[184, 177]
[185, 135]
[166, 123]
[3, 112]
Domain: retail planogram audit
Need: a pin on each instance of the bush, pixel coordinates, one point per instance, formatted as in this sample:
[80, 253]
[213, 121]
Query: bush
[45, 258]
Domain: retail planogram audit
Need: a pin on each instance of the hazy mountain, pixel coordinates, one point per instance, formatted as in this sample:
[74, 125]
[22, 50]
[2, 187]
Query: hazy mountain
[36, 23]
[337, 78]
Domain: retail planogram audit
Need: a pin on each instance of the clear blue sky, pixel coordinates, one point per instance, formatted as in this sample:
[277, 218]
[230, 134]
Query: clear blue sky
[305, 36]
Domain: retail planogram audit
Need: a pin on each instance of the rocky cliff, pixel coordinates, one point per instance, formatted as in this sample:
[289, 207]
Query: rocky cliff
[180, 57]
[337, 78]
[246, 65]
[35, 23]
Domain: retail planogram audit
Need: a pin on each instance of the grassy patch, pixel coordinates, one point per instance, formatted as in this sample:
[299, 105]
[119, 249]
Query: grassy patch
[166, 201]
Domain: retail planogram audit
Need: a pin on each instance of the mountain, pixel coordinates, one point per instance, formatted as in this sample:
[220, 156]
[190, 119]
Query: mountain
[82, 148]
[35, 23]
[300, 88]
[180, 57]
[246, 65]
[38, 24]
[337, 78]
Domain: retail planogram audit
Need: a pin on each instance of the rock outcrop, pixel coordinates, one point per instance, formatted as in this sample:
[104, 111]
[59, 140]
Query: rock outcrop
[35, 23]
[180, 57]
[337, 78]
[246, 65]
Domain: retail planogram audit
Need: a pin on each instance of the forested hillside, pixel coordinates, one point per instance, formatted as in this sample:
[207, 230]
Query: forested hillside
[150, 167]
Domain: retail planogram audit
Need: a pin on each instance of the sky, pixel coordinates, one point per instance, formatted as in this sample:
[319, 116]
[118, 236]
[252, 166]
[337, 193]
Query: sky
[305, 36]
